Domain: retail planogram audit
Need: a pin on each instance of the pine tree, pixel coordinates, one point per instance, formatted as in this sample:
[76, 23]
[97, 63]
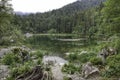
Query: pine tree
[5, 15]
[112, 15]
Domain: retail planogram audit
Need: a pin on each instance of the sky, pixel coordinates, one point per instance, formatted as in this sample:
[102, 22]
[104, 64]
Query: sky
[38, 5]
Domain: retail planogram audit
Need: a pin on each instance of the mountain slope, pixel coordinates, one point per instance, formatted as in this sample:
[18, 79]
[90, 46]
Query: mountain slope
[61, 20]
[79, 5]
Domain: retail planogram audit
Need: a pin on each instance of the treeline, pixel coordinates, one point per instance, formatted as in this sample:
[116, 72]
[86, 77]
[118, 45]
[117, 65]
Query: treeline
[76, 17]
[9, 32]
[88, 17]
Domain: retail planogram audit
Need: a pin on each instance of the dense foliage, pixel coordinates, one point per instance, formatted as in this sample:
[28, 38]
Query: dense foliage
[72, 18]
[9, 33]
[71, 68]
[112, 67]
[112, 16]
[98, 21]
[5, 16]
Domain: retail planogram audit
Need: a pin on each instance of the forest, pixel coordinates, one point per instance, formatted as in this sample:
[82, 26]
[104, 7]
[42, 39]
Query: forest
[85, 33]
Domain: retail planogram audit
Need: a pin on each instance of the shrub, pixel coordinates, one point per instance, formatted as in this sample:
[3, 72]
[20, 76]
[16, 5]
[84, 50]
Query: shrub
[20, 70]
[113, 66]
[66, 78]
[16, 50]
[115, 42]
[83, 58]
[39, 61]
[52, 31]
[72, 57]
[96, 61]
[70, 68]
[10, 59]
[39, 54]
[5, 41]
[10, 78]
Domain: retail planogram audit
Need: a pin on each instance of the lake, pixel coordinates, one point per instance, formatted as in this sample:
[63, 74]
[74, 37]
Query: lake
[55, 43]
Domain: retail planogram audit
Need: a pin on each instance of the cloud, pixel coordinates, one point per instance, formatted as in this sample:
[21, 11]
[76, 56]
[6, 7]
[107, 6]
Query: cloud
[38, 5]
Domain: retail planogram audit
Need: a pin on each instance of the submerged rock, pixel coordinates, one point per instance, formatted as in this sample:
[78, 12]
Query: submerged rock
[27, 35]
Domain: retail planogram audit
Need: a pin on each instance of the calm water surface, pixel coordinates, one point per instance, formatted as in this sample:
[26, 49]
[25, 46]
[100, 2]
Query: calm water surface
[55, 44]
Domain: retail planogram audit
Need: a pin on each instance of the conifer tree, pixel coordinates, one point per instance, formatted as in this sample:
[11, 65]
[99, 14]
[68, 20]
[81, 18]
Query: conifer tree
[112, 16]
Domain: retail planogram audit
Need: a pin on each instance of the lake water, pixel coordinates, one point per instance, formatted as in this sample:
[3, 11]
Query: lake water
[56, 43]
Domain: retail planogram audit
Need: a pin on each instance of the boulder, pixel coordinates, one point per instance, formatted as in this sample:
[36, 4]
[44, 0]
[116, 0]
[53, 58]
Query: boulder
[4, 51]
[4, 72]
[105, 52]
[88, 70]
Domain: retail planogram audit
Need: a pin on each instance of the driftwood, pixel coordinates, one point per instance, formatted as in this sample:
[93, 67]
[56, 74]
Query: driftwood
[35, 74]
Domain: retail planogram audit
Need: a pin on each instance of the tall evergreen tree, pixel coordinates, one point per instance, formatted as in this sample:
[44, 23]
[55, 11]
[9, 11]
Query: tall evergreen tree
[5, 15]
[112, 16]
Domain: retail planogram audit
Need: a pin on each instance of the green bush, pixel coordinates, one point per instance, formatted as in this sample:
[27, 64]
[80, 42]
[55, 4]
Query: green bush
[10, 78]
[115, 42]
[96, 61]
[10, 59]
[65, 78]
[39, 61]
[16, 50]
[70, 68]
[72, 57]
[52, 31]
[85, 57]
[20, 70]
[113, 66]
[39, 54]
[5, 41]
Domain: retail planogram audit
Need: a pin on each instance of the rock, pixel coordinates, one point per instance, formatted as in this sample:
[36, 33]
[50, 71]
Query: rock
[12, 40]
[105, 52]
[67, 53]
[75, 77]
[54, 60]
[83, 52]
[27, 35]
[4, 51]
[4, 72]
[88, 70]
[57, 73]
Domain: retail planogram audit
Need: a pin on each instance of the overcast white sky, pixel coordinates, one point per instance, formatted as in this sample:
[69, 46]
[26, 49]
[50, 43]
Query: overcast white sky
[38, 5]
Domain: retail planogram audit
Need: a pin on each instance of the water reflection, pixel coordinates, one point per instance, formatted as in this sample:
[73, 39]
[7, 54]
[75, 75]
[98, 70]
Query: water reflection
[53, 43]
